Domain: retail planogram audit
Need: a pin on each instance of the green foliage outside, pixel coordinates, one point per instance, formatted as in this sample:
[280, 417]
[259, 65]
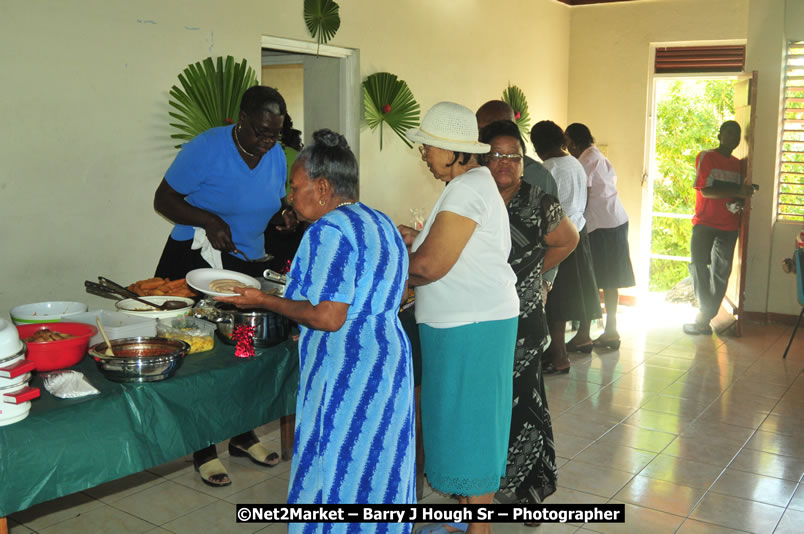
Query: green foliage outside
[791, 188]
[689, 115]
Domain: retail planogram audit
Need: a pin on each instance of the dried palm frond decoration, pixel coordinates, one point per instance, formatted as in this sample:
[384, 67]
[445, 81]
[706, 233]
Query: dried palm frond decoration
[209, 96]
[515, 98]
[388, 99]
[322, 19]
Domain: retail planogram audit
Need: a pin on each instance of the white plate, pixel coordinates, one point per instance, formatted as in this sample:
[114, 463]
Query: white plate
[199, 279]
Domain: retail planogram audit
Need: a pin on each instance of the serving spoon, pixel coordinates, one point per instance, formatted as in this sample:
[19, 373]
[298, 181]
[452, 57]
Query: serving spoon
[108, 351]
[264, 259]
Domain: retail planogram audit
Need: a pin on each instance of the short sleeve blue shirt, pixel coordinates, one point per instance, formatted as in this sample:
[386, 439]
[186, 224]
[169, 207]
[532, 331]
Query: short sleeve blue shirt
[212, 176]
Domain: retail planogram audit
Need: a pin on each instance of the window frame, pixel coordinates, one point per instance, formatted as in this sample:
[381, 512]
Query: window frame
[791, 138]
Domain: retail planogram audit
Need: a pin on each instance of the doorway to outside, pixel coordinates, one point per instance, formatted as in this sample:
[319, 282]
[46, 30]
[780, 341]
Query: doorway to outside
[686, 117]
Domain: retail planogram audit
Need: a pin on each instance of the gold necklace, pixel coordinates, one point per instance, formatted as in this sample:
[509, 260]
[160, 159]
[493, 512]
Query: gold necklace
[348, 203]
[237, 142]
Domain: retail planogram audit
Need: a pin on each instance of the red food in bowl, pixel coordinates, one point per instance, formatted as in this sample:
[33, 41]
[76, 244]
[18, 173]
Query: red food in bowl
[52, 355]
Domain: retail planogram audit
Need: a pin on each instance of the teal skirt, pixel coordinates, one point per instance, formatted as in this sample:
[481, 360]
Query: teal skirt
[466, 400]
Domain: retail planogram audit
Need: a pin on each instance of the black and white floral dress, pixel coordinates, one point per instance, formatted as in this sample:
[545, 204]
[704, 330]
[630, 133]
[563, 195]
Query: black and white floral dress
[531, 466]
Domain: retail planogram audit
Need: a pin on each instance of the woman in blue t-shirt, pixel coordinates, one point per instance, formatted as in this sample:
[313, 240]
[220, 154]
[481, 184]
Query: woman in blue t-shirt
[230, 182]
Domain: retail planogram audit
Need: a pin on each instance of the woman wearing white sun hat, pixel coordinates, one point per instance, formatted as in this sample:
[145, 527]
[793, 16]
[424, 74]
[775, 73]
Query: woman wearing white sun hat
[467, 308]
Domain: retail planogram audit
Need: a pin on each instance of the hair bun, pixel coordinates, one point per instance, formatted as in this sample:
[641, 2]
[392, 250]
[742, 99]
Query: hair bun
[330, 139]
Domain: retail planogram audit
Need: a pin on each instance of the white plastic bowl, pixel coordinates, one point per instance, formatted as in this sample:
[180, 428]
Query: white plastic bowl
[45, 312]
[10, 342]
[132, 307]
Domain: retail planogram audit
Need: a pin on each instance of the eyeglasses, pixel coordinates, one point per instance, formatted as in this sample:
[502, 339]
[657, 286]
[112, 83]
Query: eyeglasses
[497, 157]
[268, 135]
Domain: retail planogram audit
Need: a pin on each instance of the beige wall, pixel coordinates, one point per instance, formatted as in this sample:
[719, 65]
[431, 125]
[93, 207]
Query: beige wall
[613, 43]
[289, 81]
[86, 140]
[610, 54]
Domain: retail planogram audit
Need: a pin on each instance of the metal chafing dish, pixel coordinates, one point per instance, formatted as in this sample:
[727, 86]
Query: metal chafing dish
[269, 328]
[140, 359]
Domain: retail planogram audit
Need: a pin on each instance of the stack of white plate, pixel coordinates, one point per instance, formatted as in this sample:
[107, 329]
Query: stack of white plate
[15, 374]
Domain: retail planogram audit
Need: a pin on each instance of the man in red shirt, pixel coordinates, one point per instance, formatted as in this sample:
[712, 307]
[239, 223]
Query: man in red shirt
[718, 183]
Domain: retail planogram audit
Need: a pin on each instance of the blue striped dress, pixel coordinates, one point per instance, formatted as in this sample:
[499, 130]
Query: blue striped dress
[354, 412]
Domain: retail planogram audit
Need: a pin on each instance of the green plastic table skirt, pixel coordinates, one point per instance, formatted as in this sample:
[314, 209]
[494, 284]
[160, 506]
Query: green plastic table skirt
[69, 445]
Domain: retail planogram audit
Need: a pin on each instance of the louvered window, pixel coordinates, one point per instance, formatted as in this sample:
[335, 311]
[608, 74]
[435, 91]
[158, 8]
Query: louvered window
[790, 205]
[680, 59]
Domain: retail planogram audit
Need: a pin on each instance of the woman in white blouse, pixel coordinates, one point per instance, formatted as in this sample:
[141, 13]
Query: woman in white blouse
[467, 309]
[574, 296]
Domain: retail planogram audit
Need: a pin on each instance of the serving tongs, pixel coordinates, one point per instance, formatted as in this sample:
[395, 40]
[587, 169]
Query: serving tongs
[108, 289]
[273, 276]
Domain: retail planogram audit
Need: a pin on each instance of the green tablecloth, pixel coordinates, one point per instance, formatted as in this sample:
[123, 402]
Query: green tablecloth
[69, 445]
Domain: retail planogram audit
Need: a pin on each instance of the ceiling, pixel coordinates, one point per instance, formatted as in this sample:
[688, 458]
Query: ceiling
[587, 2]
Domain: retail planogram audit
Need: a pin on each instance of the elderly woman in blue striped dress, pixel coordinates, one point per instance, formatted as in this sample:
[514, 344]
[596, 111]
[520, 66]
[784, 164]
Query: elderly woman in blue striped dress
[354, 412]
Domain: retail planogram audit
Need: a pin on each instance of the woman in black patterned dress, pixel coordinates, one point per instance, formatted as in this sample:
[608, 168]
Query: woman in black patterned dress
[541, 236]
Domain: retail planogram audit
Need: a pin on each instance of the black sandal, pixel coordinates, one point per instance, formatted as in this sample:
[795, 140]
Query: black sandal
[586, 348]
[550, 369]
[612, 344]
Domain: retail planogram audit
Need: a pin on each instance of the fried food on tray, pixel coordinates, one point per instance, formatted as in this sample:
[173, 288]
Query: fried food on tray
[45, 335]
[156, 286]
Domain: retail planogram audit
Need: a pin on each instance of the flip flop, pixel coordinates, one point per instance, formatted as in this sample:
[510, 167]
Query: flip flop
[439, 528]
[257, 453]
[210, 469]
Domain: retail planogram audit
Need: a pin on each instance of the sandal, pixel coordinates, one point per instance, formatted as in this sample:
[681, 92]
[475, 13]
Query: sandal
[213, 473]
[586, 348]
[550, 369]
[257, 453]
[613, 344]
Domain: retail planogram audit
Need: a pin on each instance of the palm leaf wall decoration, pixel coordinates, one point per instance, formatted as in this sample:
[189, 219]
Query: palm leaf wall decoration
[515, 98]
[322, 19]
[209, 95]
[387, 99]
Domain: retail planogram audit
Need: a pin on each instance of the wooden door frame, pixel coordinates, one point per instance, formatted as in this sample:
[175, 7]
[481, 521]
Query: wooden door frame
[737, 309]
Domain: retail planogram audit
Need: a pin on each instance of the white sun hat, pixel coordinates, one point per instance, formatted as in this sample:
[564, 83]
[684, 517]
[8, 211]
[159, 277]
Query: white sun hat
[449, 126]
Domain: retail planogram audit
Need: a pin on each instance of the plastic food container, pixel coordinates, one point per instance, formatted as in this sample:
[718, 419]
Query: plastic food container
[197, 333]
[117, 325]
[46, 312]
[52, 355]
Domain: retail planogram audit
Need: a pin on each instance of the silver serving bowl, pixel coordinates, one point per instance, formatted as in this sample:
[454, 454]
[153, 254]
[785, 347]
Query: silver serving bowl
[140, 359]
[269, 328]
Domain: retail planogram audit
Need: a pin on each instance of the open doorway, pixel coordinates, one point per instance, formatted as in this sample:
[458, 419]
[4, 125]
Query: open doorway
[688, 112]
[321, 88]
[686, 116]
[321, 85]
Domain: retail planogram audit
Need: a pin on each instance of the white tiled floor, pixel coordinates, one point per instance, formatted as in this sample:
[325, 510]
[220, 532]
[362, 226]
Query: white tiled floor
[693, 434]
